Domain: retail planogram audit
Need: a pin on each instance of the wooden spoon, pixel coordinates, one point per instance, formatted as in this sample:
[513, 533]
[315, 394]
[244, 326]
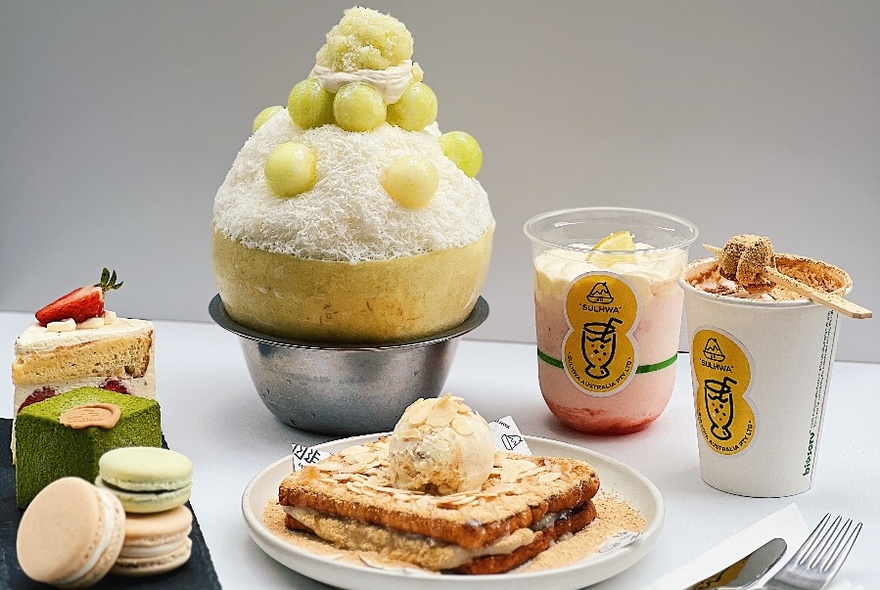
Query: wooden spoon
[832, 300]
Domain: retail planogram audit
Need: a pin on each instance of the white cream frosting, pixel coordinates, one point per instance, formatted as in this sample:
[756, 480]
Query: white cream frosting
[39, 339]
[391, 82]
[348, 215]
[648, 269]
[150, 551]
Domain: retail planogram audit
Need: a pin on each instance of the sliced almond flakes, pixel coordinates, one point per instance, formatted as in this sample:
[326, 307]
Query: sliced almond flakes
[463, 425]
[419, 411]
[441, 415]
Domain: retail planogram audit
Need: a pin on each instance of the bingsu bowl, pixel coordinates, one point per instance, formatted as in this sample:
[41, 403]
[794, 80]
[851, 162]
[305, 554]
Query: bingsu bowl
[348, 216]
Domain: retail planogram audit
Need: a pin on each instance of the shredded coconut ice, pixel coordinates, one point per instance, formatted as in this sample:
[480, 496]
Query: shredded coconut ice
[348, 215]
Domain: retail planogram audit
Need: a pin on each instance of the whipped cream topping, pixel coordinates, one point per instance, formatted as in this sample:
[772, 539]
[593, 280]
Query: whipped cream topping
[649, 270]
[644, 261]
[717, 284]
[391, 82]
[70, 324]
[36, 338]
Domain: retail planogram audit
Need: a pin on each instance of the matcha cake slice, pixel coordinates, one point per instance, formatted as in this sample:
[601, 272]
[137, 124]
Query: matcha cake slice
[65, 435]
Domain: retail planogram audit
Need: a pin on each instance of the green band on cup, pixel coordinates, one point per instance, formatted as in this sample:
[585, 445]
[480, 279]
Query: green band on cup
[549, 359]
[640, 369]
[657, 366]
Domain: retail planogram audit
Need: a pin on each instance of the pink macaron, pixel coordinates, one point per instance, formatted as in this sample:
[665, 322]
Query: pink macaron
[71, 534]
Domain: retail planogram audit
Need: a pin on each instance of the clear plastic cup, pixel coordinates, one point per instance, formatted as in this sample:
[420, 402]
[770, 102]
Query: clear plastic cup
[607, 322]
[760, 371]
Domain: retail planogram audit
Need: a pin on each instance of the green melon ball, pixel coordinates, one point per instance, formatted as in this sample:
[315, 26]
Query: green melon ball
[416, 109]
[264, 116]
[411, 181]
[309, 104]
[290, 169]
[358, 106]
[463, 149]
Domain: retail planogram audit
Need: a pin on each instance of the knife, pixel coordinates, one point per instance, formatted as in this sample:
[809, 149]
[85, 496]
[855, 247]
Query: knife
[747, 570]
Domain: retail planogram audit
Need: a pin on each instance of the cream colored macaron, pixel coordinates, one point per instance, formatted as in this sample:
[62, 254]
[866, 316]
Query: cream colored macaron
[146, 479]
[155, 543]
[71, 534]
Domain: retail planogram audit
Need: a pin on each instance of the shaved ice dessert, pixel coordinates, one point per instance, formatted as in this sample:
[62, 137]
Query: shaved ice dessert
[348, 216]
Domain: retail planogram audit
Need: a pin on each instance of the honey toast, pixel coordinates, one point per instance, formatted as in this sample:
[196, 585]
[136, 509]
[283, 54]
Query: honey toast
[525, 505]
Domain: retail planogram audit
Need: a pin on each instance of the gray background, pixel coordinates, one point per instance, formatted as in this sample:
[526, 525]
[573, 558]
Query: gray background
[119, 120]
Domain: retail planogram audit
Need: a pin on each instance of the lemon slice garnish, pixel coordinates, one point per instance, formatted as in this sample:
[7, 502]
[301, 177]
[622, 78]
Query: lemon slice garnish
[622, 241]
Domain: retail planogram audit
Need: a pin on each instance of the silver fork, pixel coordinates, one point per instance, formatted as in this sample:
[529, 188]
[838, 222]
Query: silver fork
[819, 558]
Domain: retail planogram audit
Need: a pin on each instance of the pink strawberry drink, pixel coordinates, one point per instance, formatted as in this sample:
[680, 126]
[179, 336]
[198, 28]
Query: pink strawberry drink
[608, 322]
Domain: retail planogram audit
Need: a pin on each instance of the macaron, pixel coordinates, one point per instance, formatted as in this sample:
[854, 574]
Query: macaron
[146, 479]
[71, 534]
[155, 543]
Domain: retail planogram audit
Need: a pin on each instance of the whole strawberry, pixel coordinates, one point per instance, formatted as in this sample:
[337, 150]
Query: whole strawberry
[80, 304]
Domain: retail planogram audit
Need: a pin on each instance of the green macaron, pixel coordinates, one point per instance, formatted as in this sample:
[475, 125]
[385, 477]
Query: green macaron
[146, 479]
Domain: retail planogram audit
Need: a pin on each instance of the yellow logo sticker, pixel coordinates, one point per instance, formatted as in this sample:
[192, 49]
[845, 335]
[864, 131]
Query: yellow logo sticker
[723, 372]
[599, 352]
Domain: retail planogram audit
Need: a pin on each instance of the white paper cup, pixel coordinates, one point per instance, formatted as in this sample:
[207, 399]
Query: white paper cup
[760, 374]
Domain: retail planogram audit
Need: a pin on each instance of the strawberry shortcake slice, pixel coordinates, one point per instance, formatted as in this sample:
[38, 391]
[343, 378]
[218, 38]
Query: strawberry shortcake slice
[75, 342]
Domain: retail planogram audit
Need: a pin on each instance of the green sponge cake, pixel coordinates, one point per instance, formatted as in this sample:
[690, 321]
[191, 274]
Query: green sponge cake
[66, 435]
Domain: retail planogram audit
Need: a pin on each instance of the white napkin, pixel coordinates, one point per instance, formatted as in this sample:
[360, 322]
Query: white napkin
[787, 524]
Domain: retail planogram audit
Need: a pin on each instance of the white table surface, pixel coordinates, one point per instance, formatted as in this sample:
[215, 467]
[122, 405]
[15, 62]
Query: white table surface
[211, 412]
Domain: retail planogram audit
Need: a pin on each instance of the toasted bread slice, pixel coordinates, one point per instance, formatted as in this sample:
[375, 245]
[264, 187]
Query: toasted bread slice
[521, 491]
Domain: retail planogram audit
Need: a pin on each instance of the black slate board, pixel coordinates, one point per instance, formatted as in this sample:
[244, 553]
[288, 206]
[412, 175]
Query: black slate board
[198, 572]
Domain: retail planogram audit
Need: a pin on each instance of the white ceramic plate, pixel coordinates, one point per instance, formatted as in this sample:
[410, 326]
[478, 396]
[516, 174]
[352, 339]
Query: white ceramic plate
[615, 478]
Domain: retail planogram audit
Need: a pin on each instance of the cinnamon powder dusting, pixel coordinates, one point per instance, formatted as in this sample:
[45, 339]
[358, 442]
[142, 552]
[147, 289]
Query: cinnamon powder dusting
[613, 516]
